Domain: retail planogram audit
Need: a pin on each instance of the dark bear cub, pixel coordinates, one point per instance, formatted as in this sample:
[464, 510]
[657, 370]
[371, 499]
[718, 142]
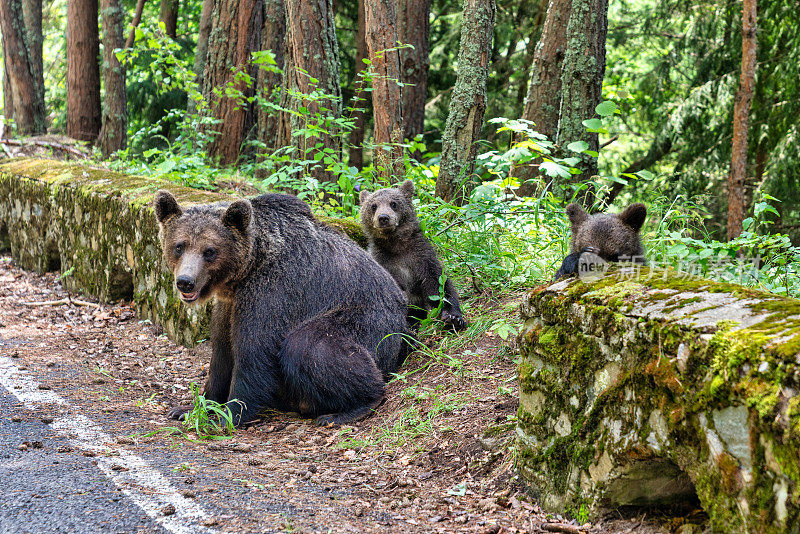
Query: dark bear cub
[611, 237]
[397, 243]
[304, 320]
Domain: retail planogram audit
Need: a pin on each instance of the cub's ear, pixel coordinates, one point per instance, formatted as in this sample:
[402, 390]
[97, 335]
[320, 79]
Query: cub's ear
[362, 196]
[166, 206]
[407, 188]
[238, 215]
[634, 216]
[577, 216]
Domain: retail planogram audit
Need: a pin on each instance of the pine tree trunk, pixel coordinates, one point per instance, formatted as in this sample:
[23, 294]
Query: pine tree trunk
[413, 21]
[201, 49]
[25, 96]
[741, 121]
[32, 15]
[273, 36]
[169, 16]
[356, 157]
[544, 88]
[83, 71]
[468, 103]
[312, 52]
[8, 99]
[581, 85]
[114, 133]
[235, 35]
[380, 17]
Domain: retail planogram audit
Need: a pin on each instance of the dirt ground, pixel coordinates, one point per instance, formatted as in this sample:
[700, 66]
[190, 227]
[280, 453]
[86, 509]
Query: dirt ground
[424, 463]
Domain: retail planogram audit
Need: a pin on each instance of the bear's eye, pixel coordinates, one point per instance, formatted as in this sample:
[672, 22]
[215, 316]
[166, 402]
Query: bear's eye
[393, 205]
[210, 254]
[179, 249]
[374, 208]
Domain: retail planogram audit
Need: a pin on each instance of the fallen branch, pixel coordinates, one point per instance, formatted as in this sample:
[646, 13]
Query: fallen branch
[59, 302]
[561, 527]
[45, 144]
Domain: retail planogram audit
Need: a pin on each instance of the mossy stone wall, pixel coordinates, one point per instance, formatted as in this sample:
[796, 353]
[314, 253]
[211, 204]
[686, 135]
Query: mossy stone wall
[651, 387]
[99, 226]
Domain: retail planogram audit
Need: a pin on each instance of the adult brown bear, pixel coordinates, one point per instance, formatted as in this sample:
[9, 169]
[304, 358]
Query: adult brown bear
[304, 319]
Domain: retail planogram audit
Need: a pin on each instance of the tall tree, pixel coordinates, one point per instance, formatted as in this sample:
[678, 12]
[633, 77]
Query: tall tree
[387, 100]
[356, 158]
[273, 36]
[741, 121]
[413, 22]
[582, 75]
[32, 15]
[27, 99]
[169, 16]
[114, 132]
[312, 53]
[544, 88]
[201, 50]
[235, 35]
[468, 103]
[8, 100]
[83, 71]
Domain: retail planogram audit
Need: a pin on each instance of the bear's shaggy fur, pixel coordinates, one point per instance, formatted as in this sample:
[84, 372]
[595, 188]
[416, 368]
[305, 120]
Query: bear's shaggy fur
[304, 319]
[612, 237]
[396, 242]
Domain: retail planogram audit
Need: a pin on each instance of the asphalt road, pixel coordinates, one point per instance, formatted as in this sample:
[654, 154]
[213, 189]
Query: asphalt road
[44, 490]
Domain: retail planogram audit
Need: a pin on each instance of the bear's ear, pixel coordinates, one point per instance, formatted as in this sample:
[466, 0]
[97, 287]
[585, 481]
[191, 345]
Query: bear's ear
[634, 216]
[407, 188]
[238, 215]
[362, 196]
[166, 206]
[577, 216]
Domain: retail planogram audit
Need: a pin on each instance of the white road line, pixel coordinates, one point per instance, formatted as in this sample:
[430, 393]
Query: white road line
[143, 484]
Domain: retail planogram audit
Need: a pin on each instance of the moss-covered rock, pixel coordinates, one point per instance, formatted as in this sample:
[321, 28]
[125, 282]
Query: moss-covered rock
[98, 226]
[651, 386]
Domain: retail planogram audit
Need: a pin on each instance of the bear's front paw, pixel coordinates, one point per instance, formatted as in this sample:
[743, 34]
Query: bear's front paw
[455, 320]
[179, 412]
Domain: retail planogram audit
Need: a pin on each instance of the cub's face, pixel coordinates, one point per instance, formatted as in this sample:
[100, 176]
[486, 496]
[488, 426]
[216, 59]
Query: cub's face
[204, 246]
[612, 237]
[386, 209]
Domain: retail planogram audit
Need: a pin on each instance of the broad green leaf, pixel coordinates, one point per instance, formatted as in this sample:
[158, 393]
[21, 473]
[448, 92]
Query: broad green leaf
[593, 124]
[578, 146]
[604, 109]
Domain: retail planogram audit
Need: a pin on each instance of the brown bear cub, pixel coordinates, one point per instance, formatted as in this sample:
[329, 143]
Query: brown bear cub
[397, 243]
[304, 319]
[611, 237]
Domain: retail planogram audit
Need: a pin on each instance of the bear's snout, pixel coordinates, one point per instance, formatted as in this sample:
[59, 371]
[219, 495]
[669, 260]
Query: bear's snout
[185, 284]
[384, 220]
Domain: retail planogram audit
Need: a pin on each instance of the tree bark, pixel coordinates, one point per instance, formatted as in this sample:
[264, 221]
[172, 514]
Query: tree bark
[468, 103]
[114, 133]
[741, 121]
[582, 74]
[413, 22]
[356, 157]
[83, 71]
[380, 17]
[201, 50]
[8, 99]
[235, 35]
[273, 36]
[169, 16]
[32, 15]
[312, 52]
[543, 100]
[27, 100]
